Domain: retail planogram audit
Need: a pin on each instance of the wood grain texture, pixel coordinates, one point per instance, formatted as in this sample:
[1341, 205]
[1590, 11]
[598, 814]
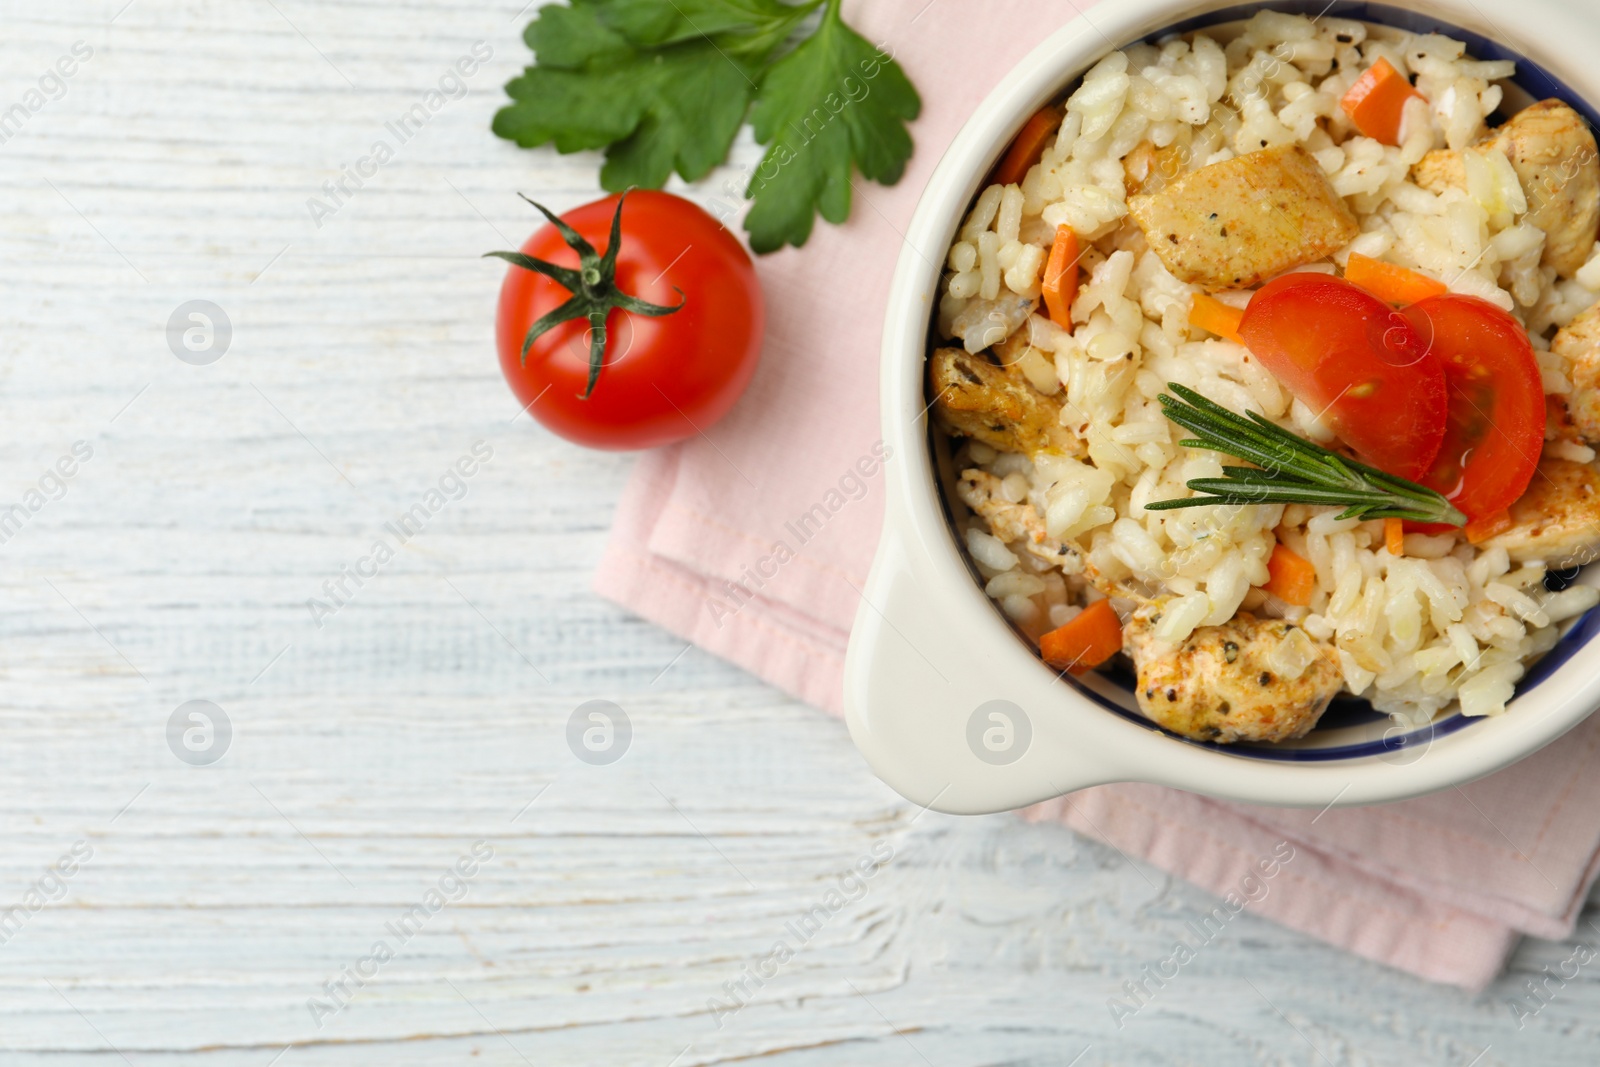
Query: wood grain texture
[430, 713]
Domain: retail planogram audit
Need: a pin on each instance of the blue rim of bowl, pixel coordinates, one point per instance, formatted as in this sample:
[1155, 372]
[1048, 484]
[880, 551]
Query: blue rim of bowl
[1354, 713]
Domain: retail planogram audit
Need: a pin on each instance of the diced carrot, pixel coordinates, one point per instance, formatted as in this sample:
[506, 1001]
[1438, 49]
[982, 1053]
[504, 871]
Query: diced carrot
[1093, 636]
[1377, 102]
[1394, 537]
[1061, 277]
[1391, 282]
[1213, 316]
[1028, 147]
[1484, 527]
[1291, 578]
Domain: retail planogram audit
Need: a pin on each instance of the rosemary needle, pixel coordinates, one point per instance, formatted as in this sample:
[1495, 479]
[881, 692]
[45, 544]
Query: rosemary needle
[1291, 470]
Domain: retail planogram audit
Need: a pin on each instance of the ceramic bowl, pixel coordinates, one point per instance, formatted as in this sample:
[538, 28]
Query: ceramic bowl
[952, 707]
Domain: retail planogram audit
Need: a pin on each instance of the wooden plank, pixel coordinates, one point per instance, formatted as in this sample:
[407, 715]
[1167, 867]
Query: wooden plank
[372, 752]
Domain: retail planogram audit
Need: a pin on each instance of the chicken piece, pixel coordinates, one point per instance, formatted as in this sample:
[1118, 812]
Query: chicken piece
[996, 405]
[1234, 224]
[1229, 683]
[1558, 422]
[1579, 344]
[1439, 170]
[1557, 521]
[1148, 169]
[1020, 523]
[1036, 366]
[1554, 154]
[1136, 167]
[1015, 523]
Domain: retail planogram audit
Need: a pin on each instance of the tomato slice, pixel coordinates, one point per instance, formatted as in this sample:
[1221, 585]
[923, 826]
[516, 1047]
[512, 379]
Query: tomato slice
[1355, 361]
[1494, 431]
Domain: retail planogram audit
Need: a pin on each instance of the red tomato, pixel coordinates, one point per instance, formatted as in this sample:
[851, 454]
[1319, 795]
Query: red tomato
[1359, 364]
[1495, 428]
[664, 378]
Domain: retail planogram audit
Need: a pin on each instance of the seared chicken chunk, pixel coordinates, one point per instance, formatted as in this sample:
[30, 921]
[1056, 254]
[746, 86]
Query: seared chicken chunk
[1558, 518]
[1015, 522]
[996, 405]
[1234, 682]
[1020, 523]
[1234, 224]
[1439, 170]
[1554, 154]
[1148, 169]
[1579, 344]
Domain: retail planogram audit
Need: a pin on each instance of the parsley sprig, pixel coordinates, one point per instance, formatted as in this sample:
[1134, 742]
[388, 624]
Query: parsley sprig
[664, 86]
[1290, 469]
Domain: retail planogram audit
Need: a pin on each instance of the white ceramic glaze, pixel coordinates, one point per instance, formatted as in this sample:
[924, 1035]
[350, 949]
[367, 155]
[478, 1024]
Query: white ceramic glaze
[928, 649]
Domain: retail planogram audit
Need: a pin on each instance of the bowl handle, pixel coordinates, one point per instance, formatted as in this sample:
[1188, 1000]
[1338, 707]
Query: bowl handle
[952, 710]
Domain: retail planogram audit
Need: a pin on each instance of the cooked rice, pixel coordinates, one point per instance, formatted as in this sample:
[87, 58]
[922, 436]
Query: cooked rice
[1444, 623]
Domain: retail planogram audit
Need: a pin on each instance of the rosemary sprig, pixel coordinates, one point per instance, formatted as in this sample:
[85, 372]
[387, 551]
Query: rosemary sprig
[1291, 470]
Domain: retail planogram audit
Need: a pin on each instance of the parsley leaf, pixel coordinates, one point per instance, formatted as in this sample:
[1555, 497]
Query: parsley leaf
[739, 25]
[692, 101]
[569, 37]
[664, 85]
[834, 102]
[655, 111]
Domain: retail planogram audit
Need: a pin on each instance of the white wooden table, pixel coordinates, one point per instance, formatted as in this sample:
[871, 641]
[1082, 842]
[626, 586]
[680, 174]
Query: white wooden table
[229, 914]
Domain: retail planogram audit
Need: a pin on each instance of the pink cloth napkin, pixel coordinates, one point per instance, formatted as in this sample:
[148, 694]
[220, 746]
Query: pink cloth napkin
[752, 540]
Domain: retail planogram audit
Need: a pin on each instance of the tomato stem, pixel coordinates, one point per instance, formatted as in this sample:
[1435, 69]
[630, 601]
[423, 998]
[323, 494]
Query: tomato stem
[593, 287]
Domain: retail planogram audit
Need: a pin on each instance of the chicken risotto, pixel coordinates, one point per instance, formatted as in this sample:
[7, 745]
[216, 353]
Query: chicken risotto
[1271, 361]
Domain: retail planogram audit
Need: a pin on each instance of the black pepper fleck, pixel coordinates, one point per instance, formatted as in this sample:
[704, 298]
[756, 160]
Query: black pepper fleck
[1172, 694]
[1224, 707]
[1266, 678]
